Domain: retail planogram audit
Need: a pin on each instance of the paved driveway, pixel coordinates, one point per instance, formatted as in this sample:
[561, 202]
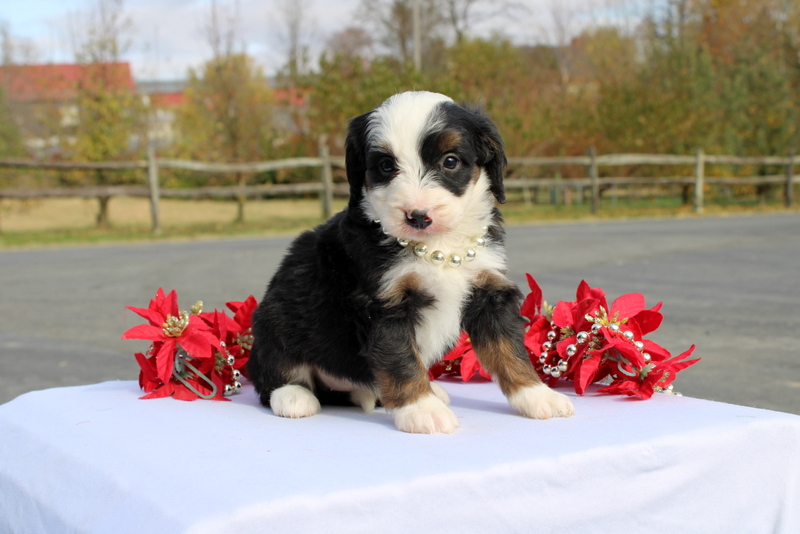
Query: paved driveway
[729, 285]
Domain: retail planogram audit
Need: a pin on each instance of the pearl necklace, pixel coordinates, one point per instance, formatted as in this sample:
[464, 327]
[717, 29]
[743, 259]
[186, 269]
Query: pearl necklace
[437, 257]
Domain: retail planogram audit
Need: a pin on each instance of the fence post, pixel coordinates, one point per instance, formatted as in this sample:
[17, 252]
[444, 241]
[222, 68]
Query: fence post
[152, 183]
[595, 177]
[327, 177]
[526, 192]
[699, 176]
[789, 195]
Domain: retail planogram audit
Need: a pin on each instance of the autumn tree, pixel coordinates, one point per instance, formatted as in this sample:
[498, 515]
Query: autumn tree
[394, 23]
[109, 114]
[347, 85]
[227, 113]
[11, 144]
[10, 137]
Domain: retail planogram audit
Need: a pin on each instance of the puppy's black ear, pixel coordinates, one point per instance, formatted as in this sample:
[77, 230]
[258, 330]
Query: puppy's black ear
[491, 154]
[355, 150]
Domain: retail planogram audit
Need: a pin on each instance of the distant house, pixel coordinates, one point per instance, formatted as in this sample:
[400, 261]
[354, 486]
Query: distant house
[43, 98]
[162, 98]
[43, 102]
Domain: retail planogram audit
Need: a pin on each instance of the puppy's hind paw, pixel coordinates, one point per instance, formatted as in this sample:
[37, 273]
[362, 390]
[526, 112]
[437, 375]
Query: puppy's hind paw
[294, 401]
[427, 415]
[541, 402]
[364, 398]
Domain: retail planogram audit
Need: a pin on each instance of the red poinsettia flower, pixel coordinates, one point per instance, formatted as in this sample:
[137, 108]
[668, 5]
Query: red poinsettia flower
[172, 328]
[655, 376]
[240, 331]
[587, 341]
[460, 360]
[155, 388]
[532, 306]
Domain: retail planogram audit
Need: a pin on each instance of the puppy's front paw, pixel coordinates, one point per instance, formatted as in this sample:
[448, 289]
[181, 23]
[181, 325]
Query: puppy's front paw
[440, 392]
[428, 415]
[541, 402]
[294, 401]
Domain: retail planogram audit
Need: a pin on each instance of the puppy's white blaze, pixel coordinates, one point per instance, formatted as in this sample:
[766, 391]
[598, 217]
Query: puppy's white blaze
[428, 415]
[294, 401]
[541, 402]
[402, 120]
[440, 392]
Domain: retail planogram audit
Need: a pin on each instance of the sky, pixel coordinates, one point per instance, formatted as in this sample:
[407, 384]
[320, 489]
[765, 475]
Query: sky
[167, 36]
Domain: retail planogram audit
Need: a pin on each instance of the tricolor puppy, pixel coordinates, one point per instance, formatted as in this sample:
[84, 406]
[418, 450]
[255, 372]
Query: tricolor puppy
[364, 304]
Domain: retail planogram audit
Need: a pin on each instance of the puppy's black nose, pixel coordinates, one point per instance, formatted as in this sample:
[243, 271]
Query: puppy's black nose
[418, 219]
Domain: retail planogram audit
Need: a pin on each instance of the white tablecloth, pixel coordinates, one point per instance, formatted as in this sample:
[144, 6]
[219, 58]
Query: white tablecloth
[97, 459]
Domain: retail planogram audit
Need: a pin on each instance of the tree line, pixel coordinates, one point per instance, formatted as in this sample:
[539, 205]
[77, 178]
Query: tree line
[723, 75]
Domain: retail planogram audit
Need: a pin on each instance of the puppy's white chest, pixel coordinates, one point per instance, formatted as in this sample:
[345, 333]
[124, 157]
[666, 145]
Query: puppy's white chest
[440, 323]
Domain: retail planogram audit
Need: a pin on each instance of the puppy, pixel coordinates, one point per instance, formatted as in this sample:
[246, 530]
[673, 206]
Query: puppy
[365, 303]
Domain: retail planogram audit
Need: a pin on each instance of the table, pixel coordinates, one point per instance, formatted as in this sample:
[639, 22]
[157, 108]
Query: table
[97, 459]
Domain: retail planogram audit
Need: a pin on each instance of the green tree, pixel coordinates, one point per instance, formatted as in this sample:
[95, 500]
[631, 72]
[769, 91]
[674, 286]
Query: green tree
[347, 85]
[11, 144]
[227, 114]
[109, 114]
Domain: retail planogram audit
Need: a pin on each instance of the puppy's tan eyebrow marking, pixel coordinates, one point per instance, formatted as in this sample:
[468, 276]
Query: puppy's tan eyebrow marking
[449, 140]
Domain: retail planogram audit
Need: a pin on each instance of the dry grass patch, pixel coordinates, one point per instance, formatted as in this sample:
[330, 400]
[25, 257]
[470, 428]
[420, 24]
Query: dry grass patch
[75, 213]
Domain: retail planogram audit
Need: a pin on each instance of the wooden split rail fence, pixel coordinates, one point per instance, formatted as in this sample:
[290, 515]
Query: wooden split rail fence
[326, 188]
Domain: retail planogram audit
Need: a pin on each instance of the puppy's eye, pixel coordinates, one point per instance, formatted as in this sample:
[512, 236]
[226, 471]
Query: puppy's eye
[450, 162]
[386, 165]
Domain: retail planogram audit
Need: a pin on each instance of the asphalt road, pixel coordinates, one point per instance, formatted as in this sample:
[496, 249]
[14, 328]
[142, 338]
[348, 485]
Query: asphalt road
[729, 285]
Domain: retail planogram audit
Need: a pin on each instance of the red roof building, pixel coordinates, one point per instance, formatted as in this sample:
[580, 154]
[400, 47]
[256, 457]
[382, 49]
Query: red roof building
[60, 82]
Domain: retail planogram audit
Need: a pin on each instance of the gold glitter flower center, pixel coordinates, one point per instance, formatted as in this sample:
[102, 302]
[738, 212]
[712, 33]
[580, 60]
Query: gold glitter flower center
[174, 326]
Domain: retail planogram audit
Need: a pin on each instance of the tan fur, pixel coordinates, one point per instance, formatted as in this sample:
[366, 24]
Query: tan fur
[492, 281]
[396, 292]
[511, 372]
[395, 394]
[449, 140]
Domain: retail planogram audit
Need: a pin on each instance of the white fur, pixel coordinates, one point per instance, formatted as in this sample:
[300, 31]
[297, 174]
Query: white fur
[364, 398]
[302, 374]
[400, 124]
[440, 392]
[440, 323]
[294, 401]
[336, 384]
[541, 402]
[428, 415]
[403, 118]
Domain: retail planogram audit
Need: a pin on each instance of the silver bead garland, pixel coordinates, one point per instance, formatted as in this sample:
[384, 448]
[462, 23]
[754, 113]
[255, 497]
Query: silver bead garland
[559, 367]
[438, 257]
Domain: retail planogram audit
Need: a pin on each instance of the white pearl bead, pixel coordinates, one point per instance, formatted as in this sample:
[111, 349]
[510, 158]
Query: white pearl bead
[420, 249]
[470, 255]
[454, 261]
[437, 257]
